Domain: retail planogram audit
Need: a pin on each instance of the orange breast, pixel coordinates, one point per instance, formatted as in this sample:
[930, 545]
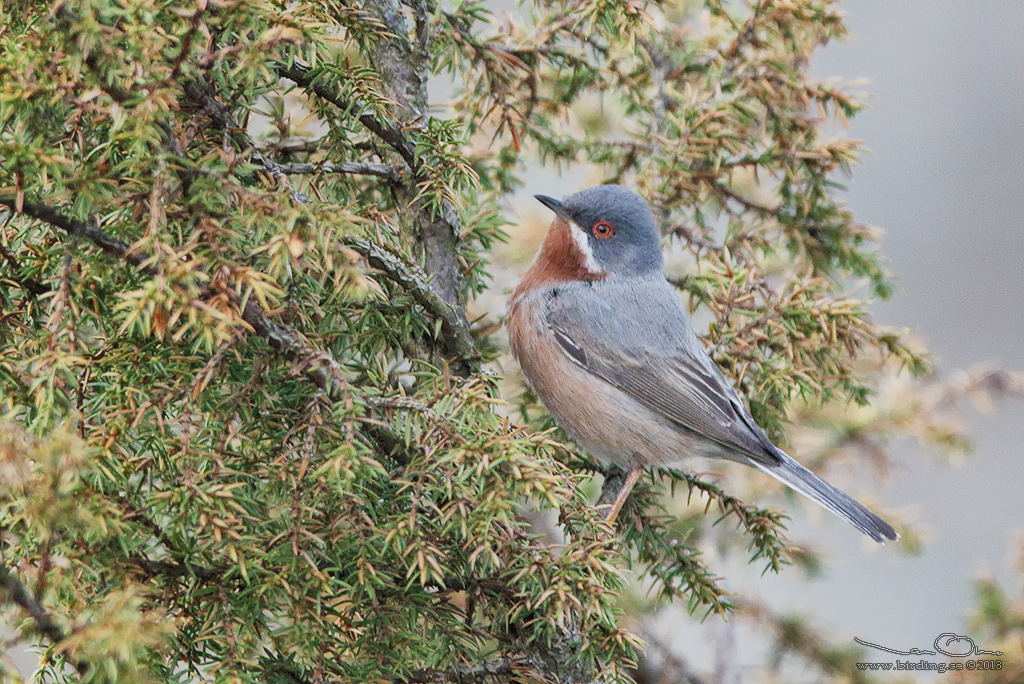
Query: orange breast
[559, 260]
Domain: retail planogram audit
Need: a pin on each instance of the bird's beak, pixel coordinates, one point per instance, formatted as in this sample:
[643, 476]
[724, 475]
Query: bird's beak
[554, 205]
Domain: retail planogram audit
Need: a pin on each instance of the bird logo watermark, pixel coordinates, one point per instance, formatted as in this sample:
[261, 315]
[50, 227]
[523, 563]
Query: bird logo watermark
[947, 644]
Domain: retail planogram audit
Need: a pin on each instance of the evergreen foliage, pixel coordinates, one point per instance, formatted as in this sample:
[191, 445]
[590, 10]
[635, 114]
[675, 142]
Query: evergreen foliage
[248, 432]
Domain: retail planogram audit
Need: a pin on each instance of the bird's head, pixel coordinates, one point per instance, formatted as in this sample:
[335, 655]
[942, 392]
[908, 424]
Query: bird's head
[612, 231]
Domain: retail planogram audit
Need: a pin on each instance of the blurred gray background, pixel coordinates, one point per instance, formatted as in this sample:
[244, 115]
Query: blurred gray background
[946, 127]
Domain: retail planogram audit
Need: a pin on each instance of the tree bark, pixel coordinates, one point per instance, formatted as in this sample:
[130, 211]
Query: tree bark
[403, 69]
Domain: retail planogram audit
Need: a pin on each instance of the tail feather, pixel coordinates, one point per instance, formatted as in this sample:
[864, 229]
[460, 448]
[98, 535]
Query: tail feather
[791, 473]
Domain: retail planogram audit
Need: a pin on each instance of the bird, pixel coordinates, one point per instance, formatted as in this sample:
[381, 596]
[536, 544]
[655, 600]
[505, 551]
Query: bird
[605, 342]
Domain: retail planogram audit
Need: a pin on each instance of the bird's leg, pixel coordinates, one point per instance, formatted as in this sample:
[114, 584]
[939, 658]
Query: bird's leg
[627, 487]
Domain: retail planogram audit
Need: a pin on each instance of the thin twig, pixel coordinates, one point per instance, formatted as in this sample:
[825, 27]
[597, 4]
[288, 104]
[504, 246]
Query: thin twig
[455, 335]
[695, 239]
[726, 191]
[385, 130]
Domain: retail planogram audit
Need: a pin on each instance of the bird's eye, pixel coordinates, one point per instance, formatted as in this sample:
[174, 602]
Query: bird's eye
[603, 230]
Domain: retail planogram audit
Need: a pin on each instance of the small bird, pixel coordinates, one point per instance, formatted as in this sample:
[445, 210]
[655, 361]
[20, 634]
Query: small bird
[605, 342]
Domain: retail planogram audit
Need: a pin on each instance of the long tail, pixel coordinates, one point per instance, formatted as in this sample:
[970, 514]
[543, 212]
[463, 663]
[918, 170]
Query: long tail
[791, 473]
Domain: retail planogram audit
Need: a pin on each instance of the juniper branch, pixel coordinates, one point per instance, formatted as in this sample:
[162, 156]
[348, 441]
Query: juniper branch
[44, 621]
[317, 365]
[201, 94]
[462, 673]
[302, 75]
[436, 235]
[457, 342]
[355, 168]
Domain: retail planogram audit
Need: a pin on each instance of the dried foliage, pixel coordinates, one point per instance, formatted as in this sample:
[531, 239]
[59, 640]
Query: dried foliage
[246, 428]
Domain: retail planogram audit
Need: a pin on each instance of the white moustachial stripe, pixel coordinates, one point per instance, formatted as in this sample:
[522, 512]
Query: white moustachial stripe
[579, 236]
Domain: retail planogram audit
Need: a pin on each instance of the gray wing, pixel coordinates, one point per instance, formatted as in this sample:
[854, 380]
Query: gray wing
[636, 336]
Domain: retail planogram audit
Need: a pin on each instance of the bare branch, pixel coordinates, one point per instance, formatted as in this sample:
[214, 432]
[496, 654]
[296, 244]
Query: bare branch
[724, 190]
[356, 168]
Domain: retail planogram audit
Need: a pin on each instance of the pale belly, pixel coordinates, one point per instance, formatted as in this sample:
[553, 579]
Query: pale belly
[605, 421]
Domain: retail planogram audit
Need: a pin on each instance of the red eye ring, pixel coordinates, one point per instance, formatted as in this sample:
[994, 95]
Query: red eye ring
[603, 230]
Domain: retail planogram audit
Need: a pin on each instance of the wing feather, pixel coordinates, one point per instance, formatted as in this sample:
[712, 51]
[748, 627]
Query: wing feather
[652, 355]
[645, 347]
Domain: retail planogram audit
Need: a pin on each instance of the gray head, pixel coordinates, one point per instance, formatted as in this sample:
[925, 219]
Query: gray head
[614, 226]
